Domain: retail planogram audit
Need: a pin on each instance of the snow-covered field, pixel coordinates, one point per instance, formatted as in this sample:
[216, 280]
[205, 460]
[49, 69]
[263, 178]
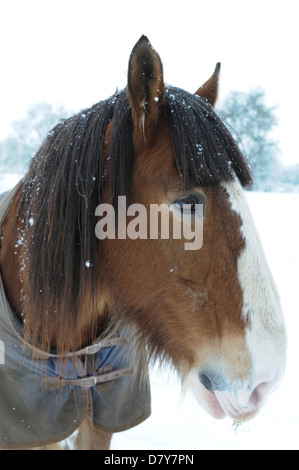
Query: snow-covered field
[179, 423]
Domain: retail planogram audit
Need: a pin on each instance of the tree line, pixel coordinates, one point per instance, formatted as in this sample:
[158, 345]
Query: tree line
[253, 124]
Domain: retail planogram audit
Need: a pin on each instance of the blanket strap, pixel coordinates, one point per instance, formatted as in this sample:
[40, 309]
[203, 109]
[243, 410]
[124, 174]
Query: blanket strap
[86, 378]
[86, 382]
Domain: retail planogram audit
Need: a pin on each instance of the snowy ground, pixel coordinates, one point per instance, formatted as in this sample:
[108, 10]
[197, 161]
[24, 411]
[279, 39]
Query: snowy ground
[181, 424]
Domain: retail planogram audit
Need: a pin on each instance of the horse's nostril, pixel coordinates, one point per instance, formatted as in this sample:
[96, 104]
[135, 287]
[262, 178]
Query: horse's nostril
[206, 382]
[212, 380]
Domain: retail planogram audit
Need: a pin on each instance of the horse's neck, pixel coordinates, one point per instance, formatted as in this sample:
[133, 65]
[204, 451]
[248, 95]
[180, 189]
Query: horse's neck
[13, 272]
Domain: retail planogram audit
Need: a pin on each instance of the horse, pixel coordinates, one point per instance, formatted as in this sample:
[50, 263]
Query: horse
[212, 313]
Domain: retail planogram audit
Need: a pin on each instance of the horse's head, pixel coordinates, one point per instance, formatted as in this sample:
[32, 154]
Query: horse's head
[213, 311]
[199, 292]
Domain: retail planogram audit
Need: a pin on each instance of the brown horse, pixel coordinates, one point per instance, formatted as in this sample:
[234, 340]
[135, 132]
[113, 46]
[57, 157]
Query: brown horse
[213, 313]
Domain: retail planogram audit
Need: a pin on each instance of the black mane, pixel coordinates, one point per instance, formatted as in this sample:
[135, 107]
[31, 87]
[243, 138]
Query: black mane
[205, 151]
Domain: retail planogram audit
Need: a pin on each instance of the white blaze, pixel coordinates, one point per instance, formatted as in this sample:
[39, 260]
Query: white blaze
[265, 333]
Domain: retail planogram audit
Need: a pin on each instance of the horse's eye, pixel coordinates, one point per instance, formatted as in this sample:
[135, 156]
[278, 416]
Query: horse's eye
[188, 203]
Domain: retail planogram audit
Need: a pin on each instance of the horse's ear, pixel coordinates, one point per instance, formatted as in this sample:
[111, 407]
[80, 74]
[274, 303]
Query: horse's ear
[209, 90]
[146, 87]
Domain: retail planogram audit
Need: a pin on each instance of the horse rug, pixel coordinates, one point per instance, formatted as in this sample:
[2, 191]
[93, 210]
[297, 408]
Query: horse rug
[44, 399]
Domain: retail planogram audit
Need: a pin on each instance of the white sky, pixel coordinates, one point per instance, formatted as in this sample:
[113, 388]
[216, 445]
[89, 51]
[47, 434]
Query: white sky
[75, 53]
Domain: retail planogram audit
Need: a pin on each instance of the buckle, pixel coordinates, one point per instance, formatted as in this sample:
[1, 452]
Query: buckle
[87, 382]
